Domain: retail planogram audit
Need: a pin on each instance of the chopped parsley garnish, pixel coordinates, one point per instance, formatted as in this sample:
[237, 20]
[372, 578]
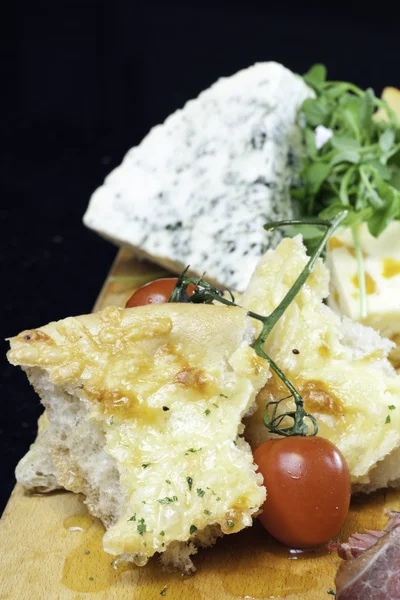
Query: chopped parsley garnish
[189, 482]
[200, 492]
[167, 500]
[223, 396]
[141, 527]
[145, 465]
[331, 592]
[207, 412]
[111, 420]
[133, 518]
[391, 407]
[91, 578]
[207, 512]
[235, 442]
[192, 529]
[162, 532]
[164, 591]
[230, 523]
[168, 481]
[216, 405]
[193, 451]
[388, 420]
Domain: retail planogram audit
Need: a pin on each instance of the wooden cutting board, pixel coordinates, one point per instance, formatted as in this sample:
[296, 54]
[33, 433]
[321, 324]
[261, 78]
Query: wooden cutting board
[50, 548]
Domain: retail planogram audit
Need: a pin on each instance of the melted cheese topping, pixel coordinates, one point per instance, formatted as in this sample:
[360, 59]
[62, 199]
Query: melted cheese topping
[169, 385]
[348, 391]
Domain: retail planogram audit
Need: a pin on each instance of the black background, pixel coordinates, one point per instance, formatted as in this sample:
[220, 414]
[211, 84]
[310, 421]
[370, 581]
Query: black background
[82, 82]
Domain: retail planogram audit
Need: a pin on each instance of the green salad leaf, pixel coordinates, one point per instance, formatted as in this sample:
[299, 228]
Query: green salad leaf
[358, 167]
[354, 166]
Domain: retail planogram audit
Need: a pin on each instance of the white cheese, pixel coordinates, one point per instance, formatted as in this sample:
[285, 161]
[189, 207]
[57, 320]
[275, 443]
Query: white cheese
[200, 187]
[381, 257]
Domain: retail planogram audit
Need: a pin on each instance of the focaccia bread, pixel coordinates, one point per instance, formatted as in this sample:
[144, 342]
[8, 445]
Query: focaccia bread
[145, 408]
[339, 366]
[36, 470]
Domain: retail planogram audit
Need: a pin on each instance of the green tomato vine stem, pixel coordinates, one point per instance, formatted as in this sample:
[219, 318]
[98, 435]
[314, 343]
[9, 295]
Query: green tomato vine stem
[206, 293]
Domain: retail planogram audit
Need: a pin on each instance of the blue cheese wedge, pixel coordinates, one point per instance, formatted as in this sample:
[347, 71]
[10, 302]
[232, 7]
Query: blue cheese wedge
[381, 258]
[145, 408]
[199, 188]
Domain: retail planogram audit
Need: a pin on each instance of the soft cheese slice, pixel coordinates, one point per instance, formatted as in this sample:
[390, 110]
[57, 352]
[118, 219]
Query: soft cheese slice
[199, 188]
[381, 258]
[145, 408]
[341, 368]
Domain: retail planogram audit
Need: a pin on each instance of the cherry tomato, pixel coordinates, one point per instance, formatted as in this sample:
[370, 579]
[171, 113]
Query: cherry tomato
[308, 489]
[155, 292]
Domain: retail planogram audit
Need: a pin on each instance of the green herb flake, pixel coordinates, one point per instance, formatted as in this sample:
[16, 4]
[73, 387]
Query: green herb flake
[207, 412]
[391, 407]
[235, 442]
[388, 420]
[168, 481]
[91, 578]
[167, 500]
[133, 518]
[230, 523]
[223, 396]
[331, 592]
[192, 451]
[207, 512]
[145, 465]
[142, 528]
[162, 532]
[164, 591]
[216, 405]
[192, 529]
[189, 482]
[200, 492]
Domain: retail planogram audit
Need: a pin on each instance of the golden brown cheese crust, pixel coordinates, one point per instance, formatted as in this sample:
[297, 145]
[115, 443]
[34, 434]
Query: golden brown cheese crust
[166, 387]
[348, 386]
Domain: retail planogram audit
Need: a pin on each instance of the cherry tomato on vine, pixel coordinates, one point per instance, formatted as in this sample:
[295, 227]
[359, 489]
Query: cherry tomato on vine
[155, 292]
[308, 489]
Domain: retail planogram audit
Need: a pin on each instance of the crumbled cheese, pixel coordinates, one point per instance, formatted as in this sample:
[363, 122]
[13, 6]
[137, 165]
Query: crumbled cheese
[322, 135]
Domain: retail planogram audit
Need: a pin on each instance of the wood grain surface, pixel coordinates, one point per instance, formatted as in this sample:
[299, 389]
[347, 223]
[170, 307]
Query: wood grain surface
[50, 548]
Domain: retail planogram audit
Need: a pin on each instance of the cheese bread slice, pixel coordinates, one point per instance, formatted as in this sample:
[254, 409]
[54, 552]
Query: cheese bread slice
[145, 408]
[340, 367]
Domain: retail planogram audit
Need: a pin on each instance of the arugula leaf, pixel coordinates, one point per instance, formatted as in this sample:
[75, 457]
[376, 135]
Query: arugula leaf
[316, 76]
[359, 167]
[315, 112]
[386, 140]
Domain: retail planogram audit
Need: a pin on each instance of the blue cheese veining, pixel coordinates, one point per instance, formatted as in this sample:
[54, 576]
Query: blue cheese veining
[199, 188]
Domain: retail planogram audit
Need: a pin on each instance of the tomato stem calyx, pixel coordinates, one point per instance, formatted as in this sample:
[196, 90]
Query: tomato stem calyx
[205, 293]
